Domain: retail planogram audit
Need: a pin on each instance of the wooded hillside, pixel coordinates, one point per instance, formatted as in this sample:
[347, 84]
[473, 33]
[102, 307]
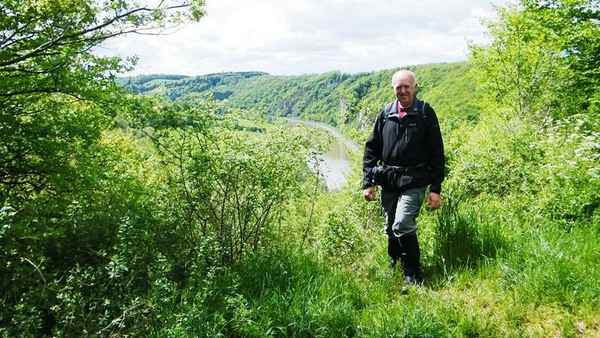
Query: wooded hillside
[334, 98]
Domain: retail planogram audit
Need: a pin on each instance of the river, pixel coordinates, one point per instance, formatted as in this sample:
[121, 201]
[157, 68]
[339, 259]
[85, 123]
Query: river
[335, 163]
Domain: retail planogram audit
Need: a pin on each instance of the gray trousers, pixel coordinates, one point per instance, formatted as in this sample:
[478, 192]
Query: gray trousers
[401, 211]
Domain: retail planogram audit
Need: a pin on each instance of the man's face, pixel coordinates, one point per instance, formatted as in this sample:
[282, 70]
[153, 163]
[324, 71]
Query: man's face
[404, 87]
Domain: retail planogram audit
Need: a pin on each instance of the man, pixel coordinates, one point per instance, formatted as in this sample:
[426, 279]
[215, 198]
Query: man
[404, 154]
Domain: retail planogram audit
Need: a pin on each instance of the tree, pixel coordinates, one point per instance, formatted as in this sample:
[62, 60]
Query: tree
[577, 22]
[539, 75]
[229, 186]
[63, 191]
[543, 59]
[45, 45]
[518, 68]
[50, 78]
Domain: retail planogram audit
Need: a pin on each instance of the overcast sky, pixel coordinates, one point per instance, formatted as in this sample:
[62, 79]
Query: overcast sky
[311, 36]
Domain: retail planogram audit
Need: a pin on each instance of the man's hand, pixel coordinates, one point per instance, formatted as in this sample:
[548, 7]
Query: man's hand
[369, 194]
[433, 201]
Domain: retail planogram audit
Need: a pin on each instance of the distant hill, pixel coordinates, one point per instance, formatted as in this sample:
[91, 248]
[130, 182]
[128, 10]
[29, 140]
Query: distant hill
[334, 97]
[177, 87]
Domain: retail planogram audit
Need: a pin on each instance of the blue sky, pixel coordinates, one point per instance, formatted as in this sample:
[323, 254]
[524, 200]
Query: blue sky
[311, 36]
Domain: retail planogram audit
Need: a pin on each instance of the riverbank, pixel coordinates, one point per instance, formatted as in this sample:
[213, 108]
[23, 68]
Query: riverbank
[349, 143]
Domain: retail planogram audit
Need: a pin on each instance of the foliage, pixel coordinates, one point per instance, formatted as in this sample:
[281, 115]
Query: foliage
[499, 165]
[129, 215]
[573, 25]
[66, 188]
[45, 44]
[520, 64]
[342, 228]
[541, 48]
[537, 146]
[230, 187]
[569, 174]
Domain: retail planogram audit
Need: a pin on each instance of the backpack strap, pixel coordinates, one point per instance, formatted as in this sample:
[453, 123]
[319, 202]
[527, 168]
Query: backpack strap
[423, 113]
[387, 111]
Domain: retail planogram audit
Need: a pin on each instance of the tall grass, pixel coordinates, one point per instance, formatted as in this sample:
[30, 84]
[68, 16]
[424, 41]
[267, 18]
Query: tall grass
[498, 278]
[557, 267]
[464, 236]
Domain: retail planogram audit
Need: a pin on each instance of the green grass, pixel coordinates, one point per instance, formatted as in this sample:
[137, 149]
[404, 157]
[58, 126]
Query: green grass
[548, 286]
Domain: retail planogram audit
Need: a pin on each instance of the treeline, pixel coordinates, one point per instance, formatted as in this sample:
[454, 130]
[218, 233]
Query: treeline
[338, 99]
[179, 88]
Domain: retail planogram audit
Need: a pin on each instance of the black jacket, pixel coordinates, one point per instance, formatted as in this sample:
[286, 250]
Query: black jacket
[414, 142]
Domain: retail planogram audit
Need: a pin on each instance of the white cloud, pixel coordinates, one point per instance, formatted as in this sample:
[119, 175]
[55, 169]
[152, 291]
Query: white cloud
[311, 36]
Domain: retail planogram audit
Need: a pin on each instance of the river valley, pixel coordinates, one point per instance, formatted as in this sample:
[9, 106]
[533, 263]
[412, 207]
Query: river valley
[335, 163]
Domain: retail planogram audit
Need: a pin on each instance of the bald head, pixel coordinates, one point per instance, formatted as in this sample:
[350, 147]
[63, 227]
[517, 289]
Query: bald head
[404, 83]
[404, 73]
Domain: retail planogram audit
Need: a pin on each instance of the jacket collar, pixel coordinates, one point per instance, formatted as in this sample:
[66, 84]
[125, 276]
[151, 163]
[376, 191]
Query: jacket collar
[412, 110]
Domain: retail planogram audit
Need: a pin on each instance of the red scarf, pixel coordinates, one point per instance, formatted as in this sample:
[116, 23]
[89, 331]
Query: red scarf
[401, 111]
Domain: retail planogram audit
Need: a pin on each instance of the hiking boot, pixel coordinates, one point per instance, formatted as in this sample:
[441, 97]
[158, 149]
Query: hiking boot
[410, 281]
[411, 255]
